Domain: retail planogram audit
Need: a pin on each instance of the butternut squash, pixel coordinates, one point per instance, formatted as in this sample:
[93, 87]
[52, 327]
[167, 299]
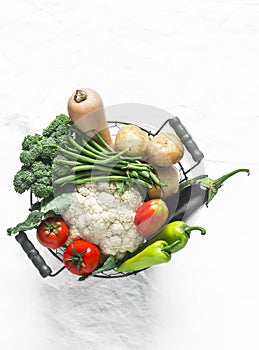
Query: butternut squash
[85, 108]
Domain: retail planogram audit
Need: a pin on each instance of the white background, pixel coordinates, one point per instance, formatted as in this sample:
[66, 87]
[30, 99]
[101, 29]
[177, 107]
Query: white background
[195, 59]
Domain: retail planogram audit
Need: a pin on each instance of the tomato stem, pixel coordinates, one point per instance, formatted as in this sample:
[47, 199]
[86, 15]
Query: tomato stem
[76, 259]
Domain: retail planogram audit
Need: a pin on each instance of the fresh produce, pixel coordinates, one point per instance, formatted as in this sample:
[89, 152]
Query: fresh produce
[85, 108]
[92, 162]
[156, 253]
[37, 156]
[165, 149]
[103, 206]
[150, 217]
[177, 231]
[132, 139]
[197, 192]
[81, 257]
[100, 214]
[52, 232]
[40, 210]
[169, 177]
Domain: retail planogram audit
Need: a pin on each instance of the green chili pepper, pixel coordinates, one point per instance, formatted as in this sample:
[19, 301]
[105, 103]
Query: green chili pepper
[173, 232]
[158, 252]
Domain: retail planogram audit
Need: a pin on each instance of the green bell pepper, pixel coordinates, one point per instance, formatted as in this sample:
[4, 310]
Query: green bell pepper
[158, 252]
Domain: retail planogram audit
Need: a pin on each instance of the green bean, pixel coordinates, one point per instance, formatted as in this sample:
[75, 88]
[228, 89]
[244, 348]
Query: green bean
[68, 162]
[145, 173]
[98, 147]
[136, 167]
[91, 148]
[69, 178]
[155, 178]
[94, 168]
[79, 157]
[94, 160]
[102, 141]
[112, 158]
[82, 149]
[110, 178]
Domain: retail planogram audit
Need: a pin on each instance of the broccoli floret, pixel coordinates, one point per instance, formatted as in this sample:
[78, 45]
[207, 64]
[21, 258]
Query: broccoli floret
[61, 122]
[23, 180]
[30, 141]
[41, 169]
[45, 180]
[29, 157]
[49, 148]
[41, 190]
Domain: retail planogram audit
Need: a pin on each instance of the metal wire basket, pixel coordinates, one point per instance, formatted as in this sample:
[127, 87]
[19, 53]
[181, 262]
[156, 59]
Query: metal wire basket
[192, 158]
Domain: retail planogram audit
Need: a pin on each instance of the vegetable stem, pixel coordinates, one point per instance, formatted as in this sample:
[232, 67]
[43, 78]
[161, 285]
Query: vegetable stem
[80, 96]
[218, 182]
[194, 228]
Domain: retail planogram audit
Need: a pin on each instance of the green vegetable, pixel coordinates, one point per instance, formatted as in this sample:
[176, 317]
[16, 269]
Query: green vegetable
[211, 185]
[57, 205]
[37, 155]
[23, 179]
[90, 161]
[177, 231]
[158, 252]
[32, 221]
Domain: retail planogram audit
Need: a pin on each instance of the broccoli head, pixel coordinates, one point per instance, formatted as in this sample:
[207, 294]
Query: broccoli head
[38, 153]
[30, 141]
[23, 180]
[40, 170]
[41, 190]
[29, 157]
[49, 148]
[59, 126]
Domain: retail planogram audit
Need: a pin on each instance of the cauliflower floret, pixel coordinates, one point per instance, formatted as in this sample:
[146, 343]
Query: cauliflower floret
[132, 198]
[100, 214]
[107, 200]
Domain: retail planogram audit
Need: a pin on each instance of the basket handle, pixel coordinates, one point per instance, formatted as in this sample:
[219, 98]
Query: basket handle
[186, 139]
[33, 254]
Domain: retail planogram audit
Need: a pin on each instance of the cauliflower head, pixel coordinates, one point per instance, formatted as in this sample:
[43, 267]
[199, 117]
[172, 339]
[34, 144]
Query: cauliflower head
[100, 214]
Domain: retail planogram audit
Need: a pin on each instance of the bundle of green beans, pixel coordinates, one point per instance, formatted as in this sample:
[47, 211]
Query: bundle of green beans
[92, 160]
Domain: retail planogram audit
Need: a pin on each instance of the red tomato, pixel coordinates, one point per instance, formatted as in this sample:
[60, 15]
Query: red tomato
[81, 257]
[151, 216]
[52, 232]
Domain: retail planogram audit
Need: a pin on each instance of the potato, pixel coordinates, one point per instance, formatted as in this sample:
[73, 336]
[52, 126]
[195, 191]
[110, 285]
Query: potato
[170, 178]
[134, 139]
[165, 149]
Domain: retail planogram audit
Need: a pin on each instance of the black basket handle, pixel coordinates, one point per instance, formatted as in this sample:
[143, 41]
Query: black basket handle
[33, 254]
[186, 139]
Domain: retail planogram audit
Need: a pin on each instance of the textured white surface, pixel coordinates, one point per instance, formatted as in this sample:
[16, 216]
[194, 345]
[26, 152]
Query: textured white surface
[198, 60]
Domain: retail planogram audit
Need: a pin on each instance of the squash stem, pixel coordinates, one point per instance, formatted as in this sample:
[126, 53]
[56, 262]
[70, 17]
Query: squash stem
[80, 96]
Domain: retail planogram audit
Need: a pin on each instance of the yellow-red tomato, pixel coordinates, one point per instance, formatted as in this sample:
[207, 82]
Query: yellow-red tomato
[150, 217]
